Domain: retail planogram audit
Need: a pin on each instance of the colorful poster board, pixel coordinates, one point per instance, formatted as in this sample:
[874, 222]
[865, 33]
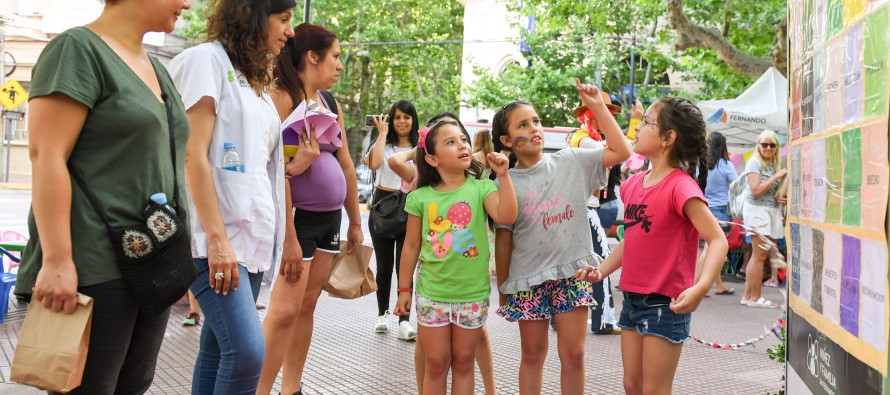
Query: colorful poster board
[839, 318]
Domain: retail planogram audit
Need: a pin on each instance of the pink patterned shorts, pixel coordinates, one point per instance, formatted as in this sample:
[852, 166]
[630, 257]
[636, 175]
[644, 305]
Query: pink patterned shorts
[468, 315]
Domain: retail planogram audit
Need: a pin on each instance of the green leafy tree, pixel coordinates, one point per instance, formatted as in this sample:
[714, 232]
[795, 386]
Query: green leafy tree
[195, 23]
[595, 38]
[399, 63]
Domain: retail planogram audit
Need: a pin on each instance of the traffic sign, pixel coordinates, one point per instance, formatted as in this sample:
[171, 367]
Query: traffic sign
[12, 94]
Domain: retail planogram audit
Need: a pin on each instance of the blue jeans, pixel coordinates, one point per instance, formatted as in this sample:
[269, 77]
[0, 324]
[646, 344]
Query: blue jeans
[722, 214]
[232, 347]
[608, 213]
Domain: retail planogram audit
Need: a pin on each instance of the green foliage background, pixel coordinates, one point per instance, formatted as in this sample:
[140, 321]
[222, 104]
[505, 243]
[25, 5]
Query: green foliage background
[376, 76]
[570, 38]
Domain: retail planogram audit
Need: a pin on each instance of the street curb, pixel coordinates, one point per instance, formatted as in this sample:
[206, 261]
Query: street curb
[15, 186]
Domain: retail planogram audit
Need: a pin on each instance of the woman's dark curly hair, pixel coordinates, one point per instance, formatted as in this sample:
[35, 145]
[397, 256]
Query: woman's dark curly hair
[241, 26]
[690, 151]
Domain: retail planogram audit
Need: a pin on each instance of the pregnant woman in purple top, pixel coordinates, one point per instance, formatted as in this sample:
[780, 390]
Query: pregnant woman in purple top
[323, 182]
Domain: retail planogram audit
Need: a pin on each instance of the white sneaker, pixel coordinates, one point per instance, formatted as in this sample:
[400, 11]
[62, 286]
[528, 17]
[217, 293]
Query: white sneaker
[406, 332]
[382, 326]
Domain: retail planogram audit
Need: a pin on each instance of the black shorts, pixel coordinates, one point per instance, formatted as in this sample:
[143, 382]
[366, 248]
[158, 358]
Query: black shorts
[318, 231]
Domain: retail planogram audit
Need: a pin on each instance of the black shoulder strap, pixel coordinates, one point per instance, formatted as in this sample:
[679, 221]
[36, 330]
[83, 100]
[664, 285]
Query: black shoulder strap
[94, 200]
[329, 98]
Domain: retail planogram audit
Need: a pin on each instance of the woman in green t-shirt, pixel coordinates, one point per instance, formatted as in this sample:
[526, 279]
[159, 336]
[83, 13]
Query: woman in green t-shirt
[87, 83]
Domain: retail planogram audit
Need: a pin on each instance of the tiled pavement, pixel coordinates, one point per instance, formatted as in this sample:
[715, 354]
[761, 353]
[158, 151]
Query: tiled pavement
[349, 358]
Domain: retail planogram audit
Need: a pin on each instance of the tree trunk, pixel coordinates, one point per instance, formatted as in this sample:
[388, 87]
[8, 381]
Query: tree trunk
[693, 35]
[356, 133]
[780, 47]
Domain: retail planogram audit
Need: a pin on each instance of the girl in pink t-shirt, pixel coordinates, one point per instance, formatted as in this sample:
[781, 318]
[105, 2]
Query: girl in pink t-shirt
[664, 213]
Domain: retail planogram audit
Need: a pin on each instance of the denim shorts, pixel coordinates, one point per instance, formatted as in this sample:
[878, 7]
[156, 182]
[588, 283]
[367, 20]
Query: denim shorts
[651, 315]
[722, 214]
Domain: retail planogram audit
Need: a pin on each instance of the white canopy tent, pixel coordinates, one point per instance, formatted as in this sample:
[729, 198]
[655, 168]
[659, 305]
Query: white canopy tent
[764, 105]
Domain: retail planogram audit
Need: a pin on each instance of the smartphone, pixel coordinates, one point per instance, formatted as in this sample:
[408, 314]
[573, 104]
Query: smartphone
[369, 120]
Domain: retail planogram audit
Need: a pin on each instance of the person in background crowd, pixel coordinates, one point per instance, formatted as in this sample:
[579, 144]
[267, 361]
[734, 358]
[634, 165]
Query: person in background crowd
[482, 146]
[194, 315]
[399, 134]
[602, 210]
[720, 174]
[763, 213]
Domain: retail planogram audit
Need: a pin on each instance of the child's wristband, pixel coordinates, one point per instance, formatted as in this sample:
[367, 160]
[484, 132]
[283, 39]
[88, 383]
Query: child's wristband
[408, 290]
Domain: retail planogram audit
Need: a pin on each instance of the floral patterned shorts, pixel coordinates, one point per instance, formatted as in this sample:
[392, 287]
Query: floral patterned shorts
[548, 298]
[469, 315]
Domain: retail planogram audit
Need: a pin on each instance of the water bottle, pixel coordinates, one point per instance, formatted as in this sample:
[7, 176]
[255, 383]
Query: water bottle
[160, 199]
[231, 161]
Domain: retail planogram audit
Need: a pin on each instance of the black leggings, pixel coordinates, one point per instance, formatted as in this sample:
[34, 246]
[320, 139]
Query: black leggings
[388, 252]
[124, 342]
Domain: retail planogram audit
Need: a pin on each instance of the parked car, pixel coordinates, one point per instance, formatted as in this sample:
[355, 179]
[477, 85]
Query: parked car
[365, 183]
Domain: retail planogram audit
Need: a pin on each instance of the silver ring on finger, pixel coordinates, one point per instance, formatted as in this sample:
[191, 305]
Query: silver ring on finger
[219, 276]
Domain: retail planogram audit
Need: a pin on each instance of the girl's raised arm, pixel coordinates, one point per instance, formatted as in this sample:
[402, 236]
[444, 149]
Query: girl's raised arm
[617, 149]
[399, 165]
[503, 250]
[502, 205]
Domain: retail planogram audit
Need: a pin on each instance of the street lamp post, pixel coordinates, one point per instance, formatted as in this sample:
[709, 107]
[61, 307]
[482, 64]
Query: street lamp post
[631, 100]
[306, 5]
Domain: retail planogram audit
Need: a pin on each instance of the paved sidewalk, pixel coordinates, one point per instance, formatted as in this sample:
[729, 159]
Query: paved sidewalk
[349, 358]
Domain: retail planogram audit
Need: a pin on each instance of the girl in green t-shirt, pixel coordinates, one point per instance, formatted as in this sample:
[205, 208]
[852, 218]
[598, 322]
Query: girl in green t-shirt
[447, 215]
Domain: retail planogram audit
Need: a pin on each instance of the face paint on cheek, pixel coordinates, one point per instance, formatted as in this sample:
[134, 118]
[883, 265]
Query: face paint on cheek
[520, 143]
[650, 114]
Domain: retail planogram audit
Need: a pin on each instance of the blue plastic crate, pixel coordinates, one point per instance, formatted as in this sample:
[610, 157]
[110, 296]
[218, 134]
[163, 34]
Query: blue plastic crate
[7, 281]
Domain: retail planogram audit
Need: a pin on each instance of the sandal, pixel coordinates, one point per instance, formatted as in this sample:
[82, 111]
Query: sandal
[726, 291]
[744, 302]
[771, 283]
[762, 303]
[191, 319]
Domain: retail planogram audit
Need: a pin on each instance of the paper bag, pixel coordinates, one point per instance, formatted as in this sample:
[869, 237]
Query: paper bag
[351, 277]
[52, 347]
